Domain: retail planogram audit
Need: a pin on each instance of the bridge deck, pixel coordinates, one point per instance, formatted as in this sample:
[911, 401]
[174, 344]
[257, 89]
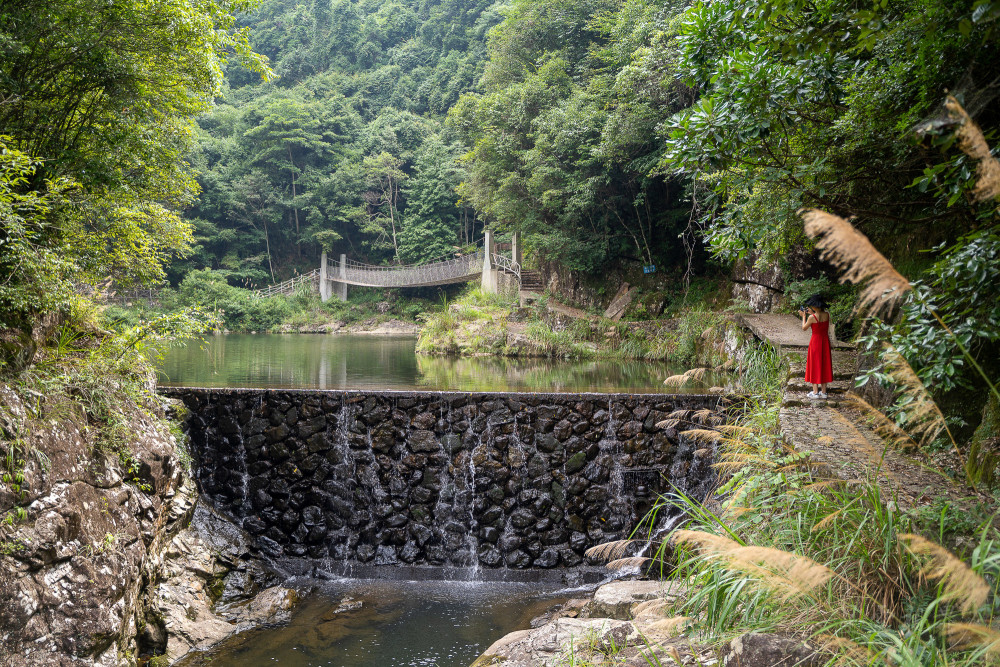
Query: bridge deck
[461, 269]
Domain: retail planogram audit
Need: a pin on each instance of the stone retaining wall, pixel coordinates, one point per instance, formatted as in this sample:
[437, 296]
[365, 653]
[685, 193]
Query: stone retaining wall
[432, 478]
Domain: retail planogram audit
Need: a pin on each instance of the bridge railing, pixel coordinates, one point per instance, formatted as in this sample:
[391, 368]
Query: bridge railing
[403, 276]
[289, 286]
[504, 263]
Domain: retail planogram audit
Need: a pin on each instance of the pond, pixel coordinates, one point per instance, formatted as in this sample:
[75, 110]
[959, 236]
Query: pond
[345, 361]
[371, 623]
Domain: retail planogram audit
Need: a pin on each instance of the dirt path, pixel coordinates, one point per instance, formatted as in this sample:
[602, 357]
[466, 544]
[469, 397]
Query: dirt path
[835, 432]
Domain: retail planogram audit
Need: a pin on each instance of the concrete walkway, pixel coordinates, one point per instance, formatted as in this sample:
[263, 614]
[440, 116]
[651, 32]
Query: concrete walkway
[834, 431]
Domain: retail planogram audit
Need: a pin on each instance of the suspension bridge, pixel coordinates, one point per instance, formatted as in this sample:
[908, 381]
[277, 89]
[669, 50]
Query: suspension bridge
[495, 269]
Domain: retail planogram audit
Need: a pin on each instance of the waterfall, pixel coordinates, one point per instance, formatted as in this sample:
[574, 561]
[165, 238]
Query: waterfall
[461, 480]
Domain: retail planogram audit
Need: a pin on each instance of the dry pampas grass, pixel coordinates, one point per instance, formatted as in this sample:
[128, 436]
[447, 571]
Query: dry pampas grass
[639, 562]
[649, 607]
[972, 142]
[960, 583]
[850, 250]
[706, 416]
[924, 420]
[852, 650]
[972, 636]
[884, 427]
[702, 435]
[610, 551]
[923, 417]
[670, 626]
[786, 574]
[691, 375]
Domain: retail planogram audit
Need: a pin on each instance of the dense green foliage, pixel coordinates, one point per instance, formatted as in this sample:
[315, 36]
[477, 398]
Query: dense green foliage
[597, 118]
[345, 151]
[98, 100]
[240, 310]
[564, 135]
[839, 106]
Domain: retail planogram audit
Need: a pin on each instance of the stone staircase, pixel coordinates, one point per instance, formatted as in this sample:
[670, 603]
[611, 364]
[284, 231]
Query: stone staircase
[531, 281]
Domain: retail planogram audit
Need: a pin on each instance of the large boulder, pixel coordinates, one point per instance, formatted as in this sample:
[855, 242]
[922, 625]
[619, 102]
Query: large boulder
[619, 599]
[92, 524]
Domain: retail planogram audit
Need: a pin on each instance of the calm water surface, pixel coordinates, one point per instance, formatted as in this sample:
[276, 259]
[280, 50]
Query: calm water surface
[323, 361]
[365, 623]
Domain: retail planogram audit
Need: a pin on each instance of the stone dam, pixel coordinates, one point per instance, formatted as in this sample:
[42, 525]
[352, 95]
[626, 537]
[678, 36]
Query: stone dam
[444, 479]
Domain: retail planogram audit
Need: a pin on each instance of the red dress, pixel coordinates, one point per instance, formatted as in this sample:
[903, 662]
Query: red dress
[819, 365]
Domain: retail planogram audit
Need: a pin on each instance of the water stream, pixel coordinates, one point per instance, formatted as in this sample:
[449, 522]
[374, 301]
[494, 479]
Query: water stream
[369, 623]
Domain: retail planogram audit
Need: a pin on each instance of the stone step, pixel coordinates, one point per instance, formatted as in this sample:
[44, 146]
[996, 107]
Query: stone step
[794, 399]
[798, 383]
[531, 281]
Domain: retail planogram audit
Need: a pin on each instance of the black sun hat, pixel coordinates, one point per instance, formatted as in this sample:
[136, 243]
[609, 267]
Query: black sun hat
[816, 301]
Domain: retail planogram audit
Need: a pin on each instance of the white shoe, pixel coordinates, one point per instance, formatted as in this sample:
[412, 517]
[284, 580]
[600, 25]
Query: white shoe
[822, 394]
[812, 394]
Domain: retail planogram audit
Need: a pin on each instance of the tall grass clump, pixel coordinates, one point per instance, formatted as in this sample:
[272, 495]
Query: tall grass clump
[788, 549]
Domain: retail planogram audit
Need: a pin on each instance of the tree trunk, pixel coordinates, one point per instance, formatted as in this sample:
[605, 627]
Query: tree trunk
[267, 245]
[298, 244]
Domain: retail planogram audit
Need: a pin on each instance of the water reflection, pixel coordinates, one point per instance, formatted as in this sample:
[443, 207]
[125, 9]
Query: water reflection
[314, 361]
[380, 623]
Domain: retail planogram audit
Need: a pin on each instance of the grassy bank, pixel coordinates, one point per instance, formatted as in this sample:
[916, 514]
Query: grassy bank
[81, 370]
[486, 324]
[240, 310]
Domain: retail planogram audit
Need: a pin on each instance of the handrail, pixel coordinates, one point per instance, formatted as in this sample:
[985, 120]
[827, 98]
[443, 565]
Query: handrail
[456, 269]
[507, 264]
[288, 286]
[435, 273]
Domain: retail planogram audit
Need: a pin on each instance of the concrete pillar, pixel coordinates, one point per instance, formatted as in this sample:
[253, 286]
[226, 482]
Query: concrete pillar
[340, 288]
[324, 283]
[490, 281]
[515, 248]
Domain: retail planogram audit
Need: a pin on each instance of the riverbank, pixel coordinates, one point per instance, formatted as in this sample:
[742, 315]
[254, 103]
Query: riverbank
[479, 324]
[96, 559]
[372, 326]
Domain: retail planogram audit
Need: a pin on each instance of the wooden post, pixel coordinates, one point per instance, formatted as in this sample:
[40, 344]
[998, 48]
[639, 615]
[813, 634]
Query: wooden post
[515, 249]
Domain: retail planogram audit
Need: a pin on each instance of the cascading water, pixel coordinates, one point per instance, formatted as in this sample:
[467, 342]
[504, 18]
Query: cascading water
[478, 481]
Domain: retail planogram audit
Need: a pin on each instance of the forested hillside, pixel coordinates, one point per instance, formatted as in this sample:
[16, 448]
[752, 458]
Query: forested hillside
[344, 149]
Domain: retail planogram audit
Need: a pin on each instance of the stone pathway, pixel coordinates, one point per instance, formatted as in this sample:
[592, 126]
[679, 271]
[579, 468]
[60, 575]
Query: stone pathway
[834, 431]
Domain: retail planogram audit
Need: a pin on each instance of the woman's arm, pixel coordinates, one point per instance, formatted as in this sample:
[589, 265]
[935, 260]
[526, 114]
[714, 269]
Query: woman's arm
[806, 321]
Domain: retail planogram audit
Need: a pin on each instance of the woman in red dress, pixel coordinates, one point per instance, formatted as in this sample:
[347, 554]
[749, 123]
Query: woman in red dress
[819, 364]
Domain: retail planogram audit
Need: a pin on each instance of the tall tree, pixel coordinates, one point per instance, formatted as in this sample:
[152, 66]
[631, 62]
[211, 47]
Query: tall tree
[432, 223]
[104, 94]
[384, 176]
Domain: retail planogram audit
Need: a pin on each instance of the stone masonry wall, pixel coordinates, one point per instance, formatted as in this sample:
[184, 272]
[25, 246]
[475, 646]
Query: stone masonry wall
[444, 479]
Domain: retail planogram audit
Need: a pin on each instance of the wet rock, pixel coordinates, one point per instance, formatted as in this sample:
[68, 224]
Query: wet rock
[548, 559]
[575, 463]
[490, 558]
[423, 441]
